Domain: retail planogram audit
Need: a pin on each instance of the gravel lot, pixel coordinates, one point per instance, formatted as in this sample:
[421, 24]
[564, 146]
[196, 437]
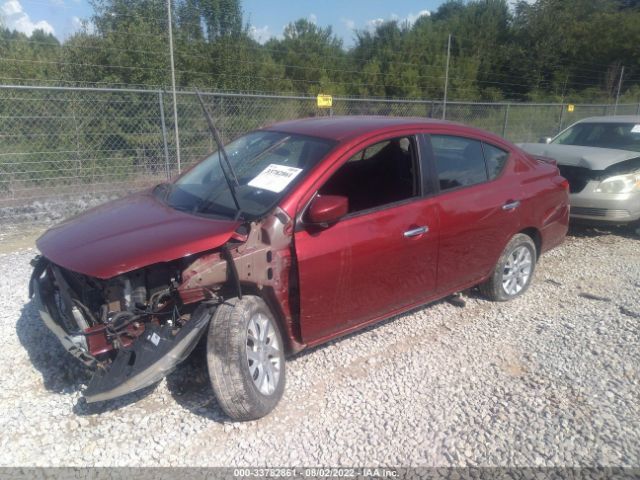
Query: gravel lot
[549, 379]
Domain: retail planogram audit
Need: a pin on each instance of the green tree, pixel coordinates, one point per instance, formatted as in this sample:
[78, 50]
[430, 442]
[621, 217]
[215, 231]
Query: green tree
[312, 58]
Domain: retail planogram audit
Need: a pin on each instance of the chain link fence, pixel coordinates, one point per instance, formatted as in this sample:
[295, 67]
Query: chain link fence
[63, 150]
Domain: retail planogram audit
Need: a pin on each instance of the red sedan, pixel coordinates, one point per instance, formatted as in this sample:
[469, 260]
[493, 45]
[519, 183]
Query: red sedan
[310, 229]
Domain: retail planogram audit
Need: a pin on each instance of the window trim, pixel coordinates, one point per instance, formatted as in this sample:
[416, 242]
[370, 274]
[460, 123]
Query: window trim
[431, 185]
[379, 208]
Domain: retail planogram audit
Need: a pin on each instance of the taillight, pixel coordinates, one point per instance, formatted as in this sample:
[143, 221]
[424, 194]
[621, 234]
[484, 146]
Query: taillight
[565, 184]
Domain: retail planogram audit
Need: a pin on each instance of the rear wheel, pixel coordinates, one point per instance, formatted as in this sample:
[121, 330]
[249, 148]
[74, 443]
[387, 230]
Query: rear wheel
[514, 270]
[245, 356]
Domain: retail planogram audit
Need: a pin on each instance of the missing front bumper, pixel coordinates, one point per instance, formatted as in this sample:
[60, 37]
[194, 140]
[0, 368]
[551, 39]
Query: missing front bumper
[72, 343]
[152, 357]
[149, 359]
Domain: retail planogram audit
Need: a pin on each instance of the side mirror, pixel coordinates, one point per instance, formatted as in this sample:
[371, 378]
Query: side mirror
[327, 209]
[546, 140]
[161, 187]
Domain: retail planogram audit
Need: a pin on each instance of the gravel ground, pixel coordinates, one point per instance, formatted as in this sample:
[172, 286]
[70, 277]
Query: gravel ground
[549, 379]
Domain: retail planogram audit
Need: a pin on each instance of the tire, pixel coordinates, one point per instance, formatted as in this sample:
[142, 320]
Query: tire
[498, 288]
[237, 327]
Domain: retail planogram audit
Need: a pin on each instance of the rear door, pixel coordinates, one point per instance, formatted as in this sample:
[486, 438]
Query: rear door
[478, 202]
[379, 258]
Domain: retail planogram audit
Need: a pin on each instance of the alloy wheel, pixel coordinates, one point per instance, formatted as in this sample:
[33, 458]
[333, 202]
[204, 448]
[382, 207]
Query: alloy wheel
[263, 354]
[517, 270]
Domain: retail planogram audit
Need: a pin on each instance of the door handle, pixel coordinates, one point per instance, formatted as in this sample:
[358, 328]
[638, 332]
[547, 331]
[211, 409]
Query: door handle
[511, 205]
[414, 232]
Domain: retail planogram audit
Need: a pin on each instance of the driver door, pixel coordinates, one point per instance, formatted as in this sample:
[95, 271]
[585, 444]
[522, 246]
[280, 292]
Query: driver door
[380, 257]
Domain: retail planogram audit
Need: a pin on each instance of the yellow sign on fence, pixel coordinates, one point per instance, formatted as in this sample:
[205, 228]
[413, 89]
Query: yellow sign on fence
[571, 108]
[325, 101]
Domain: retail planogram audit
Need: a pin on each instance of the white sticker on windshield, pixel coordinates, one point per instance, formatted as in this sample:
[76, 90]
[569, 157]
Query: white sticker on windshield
[275, 178]
[636, 128]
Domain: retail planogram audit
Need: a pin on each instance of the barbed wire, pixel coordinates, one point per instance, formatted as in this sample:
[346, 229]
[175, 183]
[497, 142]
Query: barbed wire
[460, 84]
[286, 66]
[543, 83]
[573, 62]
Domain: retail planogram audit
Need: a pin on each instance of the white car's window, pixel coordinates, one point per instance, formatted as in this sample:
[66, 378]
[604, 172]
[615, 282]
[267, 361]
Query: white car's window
[621, 136]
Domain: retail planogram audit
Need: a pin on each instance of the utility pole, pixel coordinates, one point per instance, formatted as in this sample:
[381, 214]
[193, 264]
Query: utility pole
[615, 109]
[446, 79]
[173, 86]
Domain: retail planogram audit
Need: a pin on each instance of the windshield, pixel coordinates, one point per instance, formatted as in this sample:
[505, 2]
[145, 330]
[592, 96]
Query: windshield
[622, 136]
[267, 164]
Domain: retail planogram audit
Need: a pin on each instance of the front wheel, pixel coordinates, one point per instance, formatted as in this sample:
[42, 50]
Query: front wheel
[245, 356]
[514, 270]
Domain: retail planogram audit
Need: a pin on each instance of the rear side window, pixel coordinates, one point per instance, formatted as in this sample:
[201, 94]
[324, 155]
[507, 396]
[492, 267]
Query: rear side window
[459, 161]
[496, 159]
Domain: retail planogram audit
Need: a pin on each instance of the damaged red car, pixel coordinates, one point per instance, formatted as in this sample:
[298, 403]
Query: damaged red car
[288, 237]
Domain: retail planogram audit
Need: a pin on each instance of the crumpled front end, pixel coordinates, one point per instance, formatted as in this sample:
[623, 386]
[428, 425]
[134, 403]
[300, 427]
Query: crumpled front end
[604, 195]
[133, 329]
[136, 327]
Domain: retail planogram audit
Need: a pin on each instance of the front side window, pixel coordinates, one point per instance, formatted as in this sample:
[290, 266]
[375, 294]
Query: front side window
[382, 173]
[459, 161]
[267, 164]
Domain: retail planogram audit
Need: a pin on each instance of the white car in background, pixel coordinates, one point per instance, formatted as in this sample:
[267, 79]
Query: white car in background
[600, 157]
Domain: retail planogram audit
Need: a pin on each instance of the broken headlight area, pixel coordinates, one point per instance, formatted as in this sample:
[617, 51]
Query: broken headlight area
[623, 177]
[132, 329]
[578, 177]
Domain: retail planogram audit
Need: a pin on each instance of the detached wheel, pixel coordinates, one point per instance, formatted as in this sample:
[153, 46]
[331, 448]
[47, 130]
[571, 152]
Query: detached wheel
[514, 270]
[245, 356]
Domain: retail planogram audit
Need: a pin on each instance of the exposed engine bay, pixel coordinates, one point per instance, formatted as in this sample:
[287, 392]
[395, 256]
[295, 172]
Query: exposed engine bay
[133, 329]
[108, 315]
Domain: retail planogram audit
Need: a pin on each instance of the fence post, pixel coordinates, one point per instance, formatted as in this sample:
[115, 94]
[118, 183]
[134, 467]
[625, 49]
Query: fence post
[222, 120]
[432, 109]
[561, 117]
[77, 136]
[506, 120]
[164, 136]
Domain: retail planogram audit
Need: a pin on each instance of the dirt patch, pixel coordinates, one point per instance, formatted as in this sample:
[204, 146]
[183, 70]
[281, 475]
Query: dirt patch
[26, 239]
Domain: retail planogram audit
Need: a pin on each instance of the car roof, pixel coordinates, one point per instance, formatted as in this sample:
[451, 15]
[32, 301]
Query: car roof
[343, 128]
[612, 119]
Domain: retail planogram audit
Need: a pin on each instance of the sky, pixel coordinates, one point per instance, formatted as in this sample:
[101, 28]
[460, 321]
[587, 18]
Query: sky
[267, 17]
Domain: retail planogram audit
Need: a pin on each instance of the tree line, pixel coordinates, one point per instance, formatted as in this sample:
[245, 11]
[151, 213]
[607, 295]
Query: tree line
[549, 50]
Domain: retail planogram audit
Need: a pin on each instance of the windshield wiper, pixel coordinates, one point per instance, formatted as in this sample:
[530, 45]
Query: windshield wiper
[232, 182]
